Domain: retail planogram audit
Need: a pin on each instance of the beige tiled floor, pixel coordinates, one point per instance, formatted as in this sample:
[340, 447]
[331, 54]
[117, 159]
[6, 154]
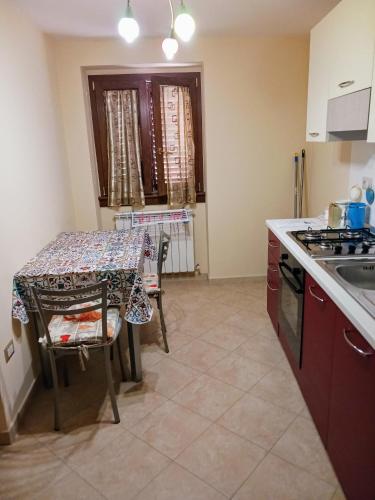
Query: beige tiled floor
[220, 417]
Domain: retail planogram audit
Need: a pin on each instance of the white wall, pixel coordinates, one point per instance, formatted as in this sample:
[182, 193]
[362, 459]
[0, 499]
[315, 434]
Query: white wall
[363, 165]
[333, 168]
[35, 198]
[327, 172]
[254, 94]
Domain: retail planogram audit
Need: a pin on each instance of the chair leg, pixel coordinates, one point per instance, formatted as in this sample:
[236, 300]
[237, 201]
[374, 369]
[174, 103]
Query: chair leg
[162, 322]
[65, 372]
[121, 359]
[55, 381]
[111, 389]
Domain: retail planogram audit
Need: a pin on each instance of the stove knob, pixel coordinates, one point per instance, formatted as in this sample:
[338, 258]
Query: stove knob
[351, 249]
[365, 248]
[338, 250]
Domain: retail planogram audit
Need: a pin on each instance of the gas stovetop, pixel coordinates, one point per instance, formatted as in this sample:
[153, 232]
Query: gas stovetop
[336, 243]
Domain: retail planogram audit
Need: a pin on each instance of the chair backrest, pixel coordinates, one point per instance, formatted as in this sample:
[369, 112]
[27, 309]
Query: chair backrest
[59, 302]
[162, 253]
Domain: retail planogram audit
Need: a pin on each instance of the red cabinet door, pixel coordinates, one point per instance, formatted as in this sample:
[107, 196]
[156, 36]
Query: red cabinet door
[273, 249]
[317, 352]
[273, 279]
[351, 433]
[273, 284]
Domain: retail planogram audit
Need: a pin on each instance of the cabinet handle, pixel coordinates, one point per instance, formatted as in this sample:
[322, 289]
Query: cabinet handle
[361, 352]
[273, 244]
[270, 287]
[346, 84]
[315, 296]
[273, 269]
[314, 134]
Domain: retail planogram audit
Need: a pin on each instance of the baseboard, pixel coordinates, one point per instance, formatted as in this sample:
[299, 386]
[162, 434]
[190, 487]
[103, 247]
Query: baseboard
[184, 277]
[243, 276]
[9, 436]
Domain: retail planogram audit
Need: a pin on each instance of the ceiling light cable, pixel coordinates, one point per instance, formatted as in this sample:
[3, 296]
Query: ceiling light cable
[128, 27]
[170, 44]
[184, 24]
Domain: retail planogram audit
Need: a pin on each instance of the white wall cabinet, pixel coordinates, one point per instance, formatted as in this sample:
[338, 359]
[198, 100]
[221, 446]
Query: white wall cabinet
[342, 51]
[316, 130]
[352, 40]
[371, 119]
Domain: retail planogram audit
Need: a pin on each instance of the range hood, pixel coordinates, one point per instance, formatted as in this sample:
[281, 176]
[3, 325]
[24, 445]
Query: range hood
[348, 116]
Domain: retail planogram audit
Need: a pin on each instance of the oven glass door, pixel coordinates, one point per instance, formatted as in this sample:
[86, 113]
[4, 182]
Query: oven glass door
[291, 305]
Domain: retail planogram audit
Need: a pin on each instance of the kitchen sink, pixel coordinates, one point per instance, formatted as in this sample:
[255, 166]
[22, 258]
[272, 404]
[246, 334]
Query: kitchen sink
[357, 277]
[358, 274]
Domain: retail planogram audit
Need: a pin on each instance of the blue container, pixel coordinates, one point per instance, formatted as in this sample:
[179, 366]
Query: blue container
[356, 215]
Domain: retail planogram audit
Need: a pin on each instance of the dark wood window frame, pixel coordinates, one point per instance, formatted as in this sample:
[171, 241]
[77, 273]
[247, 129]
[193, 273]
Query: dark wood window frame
[145, 84]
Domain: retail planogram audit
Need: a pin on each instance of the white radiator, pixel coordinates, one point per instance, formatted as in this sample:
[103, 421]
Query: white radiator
[176, 223]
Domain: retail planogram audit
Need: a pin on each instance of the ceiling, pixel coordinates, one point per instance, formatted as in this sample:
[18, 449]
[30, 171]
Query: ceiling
[98, 18]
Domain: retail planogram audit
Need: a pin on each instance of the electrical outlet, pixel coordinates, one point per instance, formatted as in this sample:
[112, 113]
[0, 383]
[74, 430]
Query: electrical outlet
[366, 183]
[9, 351]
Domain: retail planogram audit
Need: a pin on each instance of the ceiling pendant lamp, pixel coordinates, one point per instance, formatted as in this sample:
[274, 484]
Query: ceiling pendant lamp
[183, 27]
[128, 27]
[170, 44]
[170, 47]
[184, 24]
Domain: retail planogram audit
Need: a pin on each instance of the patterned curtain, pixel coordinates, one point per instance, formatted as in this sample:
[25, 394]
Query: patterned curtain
[178, 144]
[125, 185]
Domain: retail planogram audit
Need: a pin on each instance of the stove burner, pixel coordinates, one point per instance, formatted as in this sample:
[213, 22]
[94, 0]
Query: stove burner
[314, 235]
[325, 244]
[351, 235]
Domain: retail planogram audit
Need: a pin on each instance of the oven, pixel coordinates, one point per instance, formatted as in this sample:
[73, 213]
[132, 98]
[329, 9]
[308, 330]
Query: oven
[292, 284]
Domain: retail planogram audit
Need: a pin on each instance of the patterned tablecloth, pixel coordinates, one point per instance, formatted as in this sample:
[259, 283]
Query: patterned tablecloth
[80, 259]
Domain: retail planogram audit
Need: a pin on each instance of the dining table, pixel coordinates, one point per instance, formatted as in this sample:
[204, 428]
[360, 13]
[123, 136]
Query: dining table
[79, 259]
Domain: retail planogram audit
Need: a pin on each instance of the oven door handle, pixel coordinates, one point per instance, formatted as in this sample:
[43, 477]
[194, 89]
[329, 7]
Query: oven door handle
[282, 266]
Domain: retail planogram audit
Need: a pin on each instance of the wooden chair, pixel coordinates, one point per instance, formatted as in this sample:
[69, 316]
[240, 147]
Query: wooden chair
[68, 330]
[152, 282]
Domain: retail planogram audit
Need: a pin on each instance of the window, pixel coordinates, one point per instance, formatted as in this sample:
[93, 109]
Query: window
[159, 156]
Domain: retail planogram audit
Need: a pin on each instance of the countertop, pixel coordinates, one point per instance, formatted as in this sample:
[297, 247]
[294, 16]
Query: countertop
[360, 318]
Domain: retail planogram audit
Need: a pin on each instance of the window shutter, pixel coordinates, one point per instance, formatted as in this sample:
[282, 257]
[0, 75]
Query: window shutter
[175, 154]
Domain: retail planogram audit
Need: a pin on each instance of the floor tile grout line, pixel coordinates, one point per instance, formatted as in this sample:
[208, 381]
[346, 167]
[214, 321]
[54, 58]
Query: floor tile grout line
[250, 474]
[197, 369]
[206, 372]
[232, 385]
[302, 469]
[140, 439]
[75, 471]
[201, 479]
[275, 404]
[152, 479]
[269, 452]
[204, 416]
[188, 471]
[86, 481]
[162, 453]
[245, 393]
[296, 465]
[248, 440]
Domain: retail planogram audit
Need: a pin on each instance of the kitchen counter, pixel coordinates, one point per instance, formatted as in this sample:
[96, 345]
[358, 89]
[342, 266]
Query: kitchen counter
[360, 318]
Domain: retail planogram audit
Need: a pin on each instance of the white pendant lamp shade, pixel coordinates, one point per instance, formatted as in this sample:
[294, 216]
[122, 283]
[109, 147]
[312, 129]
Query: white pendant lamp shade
[170, 47]
[128, 27]
[184, 25]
